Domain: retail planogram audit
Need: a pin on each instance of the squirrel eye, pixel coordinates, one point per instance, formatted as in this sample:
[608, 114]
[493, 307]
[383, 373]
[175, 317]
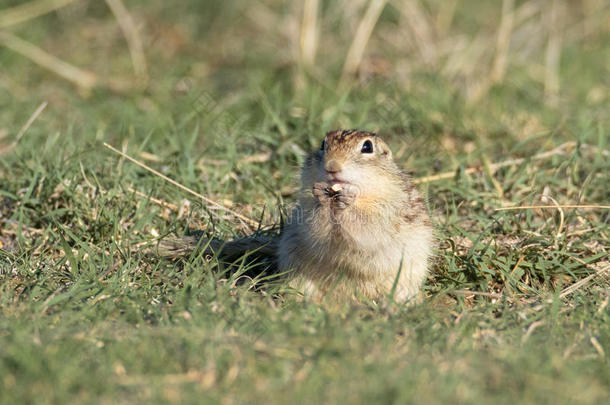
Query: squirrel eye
[323, 145]
[367, 147]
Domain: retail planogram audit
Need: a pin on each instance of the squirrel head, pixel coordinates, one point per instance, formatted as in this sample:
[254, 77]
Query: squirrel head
[350, 156]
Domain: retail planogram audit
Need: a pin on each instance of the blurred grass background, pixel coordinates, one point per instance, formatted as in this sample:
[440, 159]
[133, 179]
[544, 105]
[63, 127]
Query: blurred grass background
[225, 98]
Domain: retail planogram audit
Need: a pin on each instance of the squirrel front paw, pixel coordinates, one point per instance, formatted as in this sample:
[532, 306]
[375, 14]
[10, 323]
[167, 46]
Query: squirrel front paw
[321, 191]
[337, 197]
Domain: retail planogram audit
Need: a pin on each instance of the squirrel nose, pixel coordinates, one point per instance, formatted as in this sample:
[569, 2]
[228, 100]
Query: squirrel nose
[332, 166]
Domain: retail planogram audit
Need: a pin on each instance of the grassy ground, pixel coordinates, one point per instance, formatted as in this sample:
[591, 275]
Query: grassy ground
[229, 97]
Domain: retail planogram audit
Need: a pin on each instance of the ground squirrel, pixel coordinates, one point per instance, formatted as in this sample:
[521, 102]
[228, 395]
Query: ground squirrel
[360, 230]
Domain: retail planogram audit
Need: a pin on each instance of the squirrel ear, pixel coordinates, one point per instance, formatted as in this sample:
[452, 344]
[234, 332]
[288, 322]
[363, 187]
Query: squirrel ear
[385, 150]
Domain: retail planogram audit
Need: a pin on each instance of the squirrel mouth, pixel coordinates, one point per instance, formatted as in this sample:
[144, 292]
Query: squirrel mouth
[337, 180]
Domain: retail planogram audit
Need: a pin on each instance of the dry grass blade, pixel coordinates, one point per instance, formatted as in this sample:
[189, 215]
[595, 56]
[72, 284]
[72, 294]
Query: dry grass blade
[553, 55]
[257, 158]
[530, 330]
[309, 32]
[28, 11]
[205, 378]
[558, 206]
[136, 50]
[157, 201]
[581, 283]
[188, 190]
[421, 30]
[82, 78]
[25, 127]
[503, 41]
[32, 118]
[481, 293]
[598, 347]
[363, 33]
[445, 16]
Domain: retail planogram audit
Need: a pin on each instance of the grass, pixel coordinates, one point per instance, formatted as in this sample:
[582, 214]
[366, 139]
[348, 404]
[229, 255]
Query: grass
[516, 305]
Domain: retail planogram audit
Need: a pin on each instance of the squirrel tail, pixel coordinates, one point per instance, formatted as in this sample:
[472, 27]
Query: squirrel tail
[258, 248]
